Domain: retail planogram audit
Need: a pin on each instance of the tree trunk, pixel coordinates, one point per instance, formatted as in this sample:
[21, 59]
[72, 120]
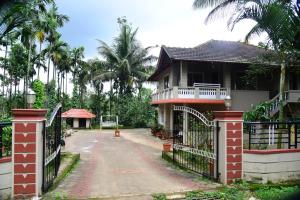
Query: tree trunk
[27, 70]
[39, 66]
[5, 57]
[48, 67]
[67, 82]
[281, 99]
[62, 82]
[58, 87]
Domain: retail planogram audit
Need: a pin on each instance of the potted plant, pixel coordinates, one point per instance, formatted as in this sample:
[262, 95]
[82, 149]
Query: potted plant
[117, 133]
[167, 147]
[158, 130]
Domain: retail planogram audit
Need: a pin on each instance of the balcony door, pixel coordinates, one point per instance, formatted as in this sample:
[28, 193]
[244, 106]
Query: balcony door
[195, 77]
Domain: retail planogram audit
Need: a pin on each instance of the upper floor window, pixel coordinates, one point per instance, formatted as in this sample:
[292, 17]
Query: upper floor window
[243, 82]
[166, 82]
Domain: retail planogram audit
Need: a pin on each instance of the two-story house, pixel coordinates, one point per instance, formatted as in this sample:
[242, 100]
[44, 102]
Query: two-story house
[203, 76]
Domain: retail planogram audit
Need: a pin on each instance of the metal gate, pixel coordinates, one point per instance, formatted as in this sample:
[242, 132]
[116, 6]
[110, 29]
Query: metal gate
[51, 148]
[195, 142]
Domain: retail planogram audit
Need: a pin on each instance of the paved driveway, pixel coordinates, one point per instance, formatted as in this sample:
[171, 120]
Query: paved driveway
[129, 167]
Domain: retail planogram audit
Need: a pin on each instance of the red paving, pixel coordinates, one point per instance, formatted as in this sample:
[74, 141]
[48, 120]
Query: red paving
[129, 166]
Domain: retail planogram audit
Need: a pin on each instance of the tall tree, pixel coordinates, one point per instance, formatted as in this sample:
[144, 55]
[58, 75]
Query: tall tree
[125, 61]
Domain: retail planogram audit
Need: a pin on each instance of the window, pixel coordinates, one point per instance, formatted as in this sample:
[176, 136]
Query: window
[166, 82]
[195, 77]
[242, 82]
[215, 77]
[293, 81]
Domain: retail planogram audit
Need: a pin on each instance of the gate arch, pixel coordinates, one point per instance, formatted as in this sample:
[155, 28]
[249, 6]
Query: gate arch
[195, 141]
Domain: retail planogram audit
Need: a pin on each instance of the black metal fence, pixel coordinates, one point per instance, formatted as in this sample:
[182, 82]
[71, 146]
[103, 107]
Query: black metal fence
[5, 140]
[51, 148]
[272, 135]
[195, 145]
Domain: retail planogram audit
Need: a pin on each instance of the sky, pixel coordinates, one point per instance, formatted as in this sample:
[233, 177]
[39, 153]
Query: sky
[159, 22]
[172, 23]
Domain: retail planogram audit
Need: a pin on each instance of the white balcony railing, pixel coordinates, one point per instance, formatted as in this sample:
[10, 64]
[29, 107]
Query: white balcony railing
[214, 93]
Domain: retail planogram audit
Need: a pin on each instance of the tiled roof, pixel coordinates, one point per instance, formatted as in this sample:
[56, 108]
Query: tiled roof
[218, 51]
[212, 51]
[78, 113]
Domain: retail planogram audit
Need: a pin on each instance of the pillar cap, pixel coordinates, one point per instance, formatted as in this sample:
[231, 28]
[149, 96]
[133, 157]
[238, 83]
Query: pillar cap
[29, 114]
[228, 115]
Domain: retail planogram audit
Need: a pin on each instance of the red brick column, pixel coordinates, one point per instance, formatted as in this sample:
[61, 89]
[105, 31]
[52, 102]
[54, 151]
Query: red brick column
[230, 145]
[26, 152]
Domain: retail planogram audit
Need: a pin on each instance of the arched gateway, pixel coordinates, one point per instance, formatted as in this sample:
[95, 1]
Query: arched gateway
[195, 142]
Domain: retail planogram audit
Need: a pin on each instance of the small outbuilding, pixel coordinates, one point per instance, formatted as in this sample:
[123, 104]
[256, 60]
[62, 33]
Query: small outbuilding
[78, 118]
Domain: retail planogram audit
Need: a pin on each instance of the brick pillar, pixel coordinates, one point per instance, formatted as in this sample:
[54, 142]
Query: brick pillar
[230, 145]
[27, 152]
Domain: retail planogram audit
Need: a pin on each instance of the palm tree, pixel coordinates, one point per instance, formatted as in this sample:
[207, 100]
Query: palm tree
[276, 18]
[125, 61]
[10, 17]
[53, 20]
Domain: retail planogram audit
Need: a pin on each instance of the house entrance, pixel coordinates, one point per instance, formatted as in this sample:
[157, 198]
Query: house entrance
[82, 123]
[195, 142]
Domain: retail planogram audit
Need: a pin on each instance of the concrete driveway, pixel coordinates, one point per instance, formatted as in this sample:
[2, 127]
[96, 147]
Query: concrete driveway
[129, 167]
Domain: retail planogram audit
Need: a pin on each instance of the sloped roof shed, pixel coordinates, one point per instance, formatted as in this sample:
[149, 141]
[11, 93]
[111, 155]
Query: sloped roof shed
[78, 113]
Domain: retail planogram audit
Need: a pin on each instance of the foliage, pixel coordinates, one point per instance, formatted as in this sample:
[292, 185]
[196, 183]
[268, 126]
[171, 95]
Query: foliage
[39, 88]
[6, 135]
[7, 139]
[126, 62]
[279, 193]
[258, 112]
[136, 111]
[75, 97]
[52, 99]
[242, 190]
[159, 196]
[66, 102]
[279, 19]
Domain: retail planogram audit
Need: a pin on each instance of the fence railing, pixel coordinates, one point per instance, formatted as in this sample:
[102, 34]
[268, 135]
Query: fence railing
[5, 141]
[203, 92]
[272, 135]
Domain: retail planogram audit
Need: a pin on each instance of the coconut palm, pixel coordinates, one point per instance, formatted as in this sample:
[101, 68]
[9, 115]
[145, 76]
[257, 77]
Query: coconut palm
[280, 22]
[125, 61]
[276, 18]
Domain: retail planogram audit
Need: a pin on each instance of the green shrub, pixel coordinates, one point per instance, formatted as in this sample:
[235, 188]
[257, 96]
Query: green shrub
[279, 193]
[258, 113]
[7, 140]
[136, 111]
[39, 88]
[159, 197]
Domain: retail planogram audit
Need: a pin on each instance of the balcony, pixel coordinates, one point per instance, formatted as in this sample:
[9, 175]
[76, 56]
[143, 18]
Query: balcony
[198, 92]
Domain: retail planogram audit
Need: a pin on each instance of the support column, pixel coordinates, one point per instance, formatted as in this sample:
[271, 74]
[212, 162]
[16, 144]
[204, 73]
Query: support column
[230, 145]
[27, 158]
[171, 119]
[183, 74]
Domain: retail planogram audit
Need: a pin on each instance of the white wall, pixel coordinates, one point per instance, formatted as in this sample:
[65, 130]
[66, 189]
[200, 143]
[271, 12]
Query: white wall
[75, 123]
[5, 179]
[274, 167]
[87, 123]
[243, 99]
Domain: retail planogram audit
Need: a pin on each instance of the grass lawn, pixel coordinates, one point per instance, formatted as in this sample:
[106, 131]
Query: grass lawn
[244, 191]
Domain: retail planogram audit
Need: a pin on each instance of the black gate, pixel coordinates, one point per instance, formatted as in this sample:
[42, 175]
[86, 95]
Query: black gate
[195, 142]
[51, 148]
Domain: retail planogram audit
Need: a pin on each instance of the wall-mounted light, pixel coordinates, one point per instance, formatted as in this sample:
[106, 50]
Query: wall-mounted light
[30, 97]
[228, 102]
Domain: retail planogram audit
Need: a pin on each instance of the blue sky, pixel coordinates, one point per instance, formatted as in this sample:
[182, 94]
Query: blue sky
[168, 22]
